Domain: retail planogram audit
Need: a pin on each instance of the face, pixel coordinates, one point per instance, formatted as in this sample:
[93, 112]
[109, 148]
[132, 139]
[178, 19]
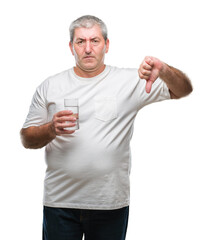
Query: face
[89, 48]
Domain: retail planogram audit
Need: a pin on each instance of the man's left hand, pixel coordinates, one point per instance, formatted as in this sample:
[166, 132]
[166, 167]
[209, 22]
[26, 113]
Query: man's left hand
[150, 70]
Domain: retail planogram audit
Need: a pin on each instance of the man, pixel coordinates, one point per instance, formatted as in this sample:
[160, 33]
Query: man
[86, 189]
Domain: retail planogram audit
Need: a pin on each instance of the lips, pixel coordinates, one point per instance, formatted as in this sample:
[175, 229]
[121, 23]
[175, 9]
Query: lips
[89, 57]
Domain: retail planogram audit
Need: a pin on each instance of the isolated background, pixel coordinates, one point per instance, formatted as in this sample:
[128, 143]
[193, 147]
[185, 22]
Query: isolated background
[171, 178]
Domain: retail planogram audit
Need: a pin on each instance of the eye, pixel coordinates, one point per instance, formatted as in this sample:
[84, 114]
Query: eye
[80, 42]
[95, 41]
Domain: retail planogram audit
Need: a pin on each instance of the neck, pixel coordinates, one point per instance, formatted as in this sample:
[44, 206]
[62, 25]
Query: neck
[88, 73]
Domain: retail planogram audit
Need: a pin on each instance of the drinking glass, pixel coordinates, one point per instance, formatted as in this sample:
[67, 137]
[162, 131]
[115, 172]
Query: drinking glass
[72, 105]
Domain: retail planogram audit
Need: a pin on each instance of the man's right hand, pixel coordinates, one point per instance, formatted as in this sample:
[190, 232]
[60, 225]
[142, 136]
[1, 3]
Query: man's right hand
[62, 120]
[39, 136]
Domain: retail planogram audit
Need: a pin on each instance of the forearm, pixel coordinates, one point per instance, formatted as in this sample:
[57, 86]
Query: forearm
[37, 137]
[177, 82]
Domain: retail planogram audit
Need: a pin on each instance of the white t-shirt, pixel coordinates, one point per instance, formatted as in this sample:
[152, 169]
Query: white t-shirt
[90, 168]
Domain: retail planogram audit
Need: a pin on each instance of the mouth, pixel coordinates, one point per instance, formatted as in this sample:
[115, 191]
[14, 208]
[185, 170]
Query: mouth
[89, 57]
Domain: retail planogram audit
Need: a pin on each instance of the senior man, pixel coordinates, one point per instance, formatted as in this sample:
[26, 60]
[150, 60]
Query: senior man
[86, 188]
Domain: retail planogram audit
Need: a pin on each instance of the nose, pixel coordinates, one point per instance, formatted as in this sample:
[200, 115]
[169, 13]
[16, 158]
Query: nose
[88, 48]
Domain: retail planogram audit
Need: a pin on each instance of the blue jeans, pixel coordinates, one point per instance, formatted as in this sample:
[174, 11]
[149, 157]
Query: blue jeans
[72, 224]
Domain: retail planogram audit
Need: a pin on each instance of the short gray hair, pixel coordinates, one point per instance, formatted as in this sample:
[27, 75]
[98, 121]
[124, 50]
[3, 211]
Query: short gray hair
[87, 21]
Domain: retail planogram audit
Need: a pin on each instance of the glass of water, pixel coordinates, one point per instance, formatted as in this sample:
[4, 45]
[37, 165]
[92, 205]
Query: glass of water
[72, 105]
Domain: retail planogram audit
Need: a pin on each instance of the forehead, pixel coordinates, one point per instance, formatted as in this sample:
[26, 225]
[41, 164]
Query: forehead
[92, 32]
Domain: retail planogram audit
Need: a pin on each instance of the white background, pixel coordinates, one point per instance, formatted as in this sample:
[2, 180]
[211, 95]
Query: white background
[171, 178]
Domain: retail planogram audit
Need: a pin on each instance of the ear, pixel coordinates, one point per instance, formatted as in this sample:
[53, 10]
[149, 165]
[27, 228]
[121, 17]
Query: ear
[107, 46]
[71, 48]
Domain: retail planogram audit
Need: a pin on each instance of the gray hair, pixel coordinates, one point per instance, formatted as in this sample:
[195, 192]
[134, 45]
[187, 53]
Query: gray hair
[87, 21]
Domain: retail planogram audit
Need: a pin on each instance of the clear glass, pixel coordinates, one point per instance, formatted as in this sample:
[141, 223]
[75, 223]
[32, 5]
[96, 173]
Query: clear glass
[72, 105]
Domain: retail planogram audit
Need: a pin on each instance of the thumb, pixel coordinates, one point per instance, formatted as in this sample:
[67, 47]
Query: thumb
[149, 86]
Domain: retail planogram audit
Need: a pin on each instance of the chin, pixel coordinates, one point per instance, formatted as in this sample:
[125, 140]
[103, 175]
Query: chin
[89, 67]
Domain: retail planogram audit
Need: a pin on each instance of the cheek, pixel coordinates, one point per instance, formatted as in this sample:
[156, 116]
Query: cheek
[102, 50]
[77, 53]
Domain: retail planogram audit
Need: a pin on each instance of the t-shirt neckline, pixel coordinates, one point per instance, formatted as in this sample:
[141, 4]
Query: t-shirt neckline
[99, 77]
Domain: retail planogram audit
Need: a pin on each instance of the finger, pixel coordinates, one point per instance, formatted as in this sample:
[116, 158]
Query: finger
[149, 61]
[142, 76]
[145, 72]
[76, 115]
[64, 131]
[68, 118]
[68, 131]
[66, 125]
[145, 66]
[149, 86]
[63, 113]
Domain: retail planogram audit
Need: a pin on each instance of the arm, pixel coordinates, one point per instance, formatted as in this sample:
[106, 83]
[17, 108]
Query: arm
[39, 136]
[178, 83]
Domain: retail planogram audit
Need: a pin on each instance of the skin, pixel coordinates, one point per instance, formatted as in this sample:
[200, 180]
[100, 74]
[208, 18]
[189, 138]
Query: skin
[89, 49]
[38, 137]
[178, 83]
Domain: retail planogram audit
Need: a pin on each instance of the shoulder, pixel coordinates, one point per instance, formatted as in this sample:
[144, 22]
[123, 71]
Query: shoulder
[58, 76]
[122, 70]
[124, 73]
[55, 79]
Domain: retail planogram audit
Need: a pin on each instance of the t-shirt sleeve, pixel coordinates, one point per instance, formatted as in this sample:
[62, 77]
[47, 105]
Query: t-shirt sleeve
[37, 114]
[159, 92]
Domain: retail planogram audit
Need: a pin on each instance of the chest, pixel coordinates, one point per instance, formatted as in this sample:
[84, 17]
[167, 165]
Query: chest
[106, 100]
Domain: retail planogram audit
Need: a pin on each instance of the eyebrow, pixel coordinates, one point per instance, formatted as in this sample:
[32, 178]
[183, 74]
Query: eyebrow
[79, 39]
[82, 39]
